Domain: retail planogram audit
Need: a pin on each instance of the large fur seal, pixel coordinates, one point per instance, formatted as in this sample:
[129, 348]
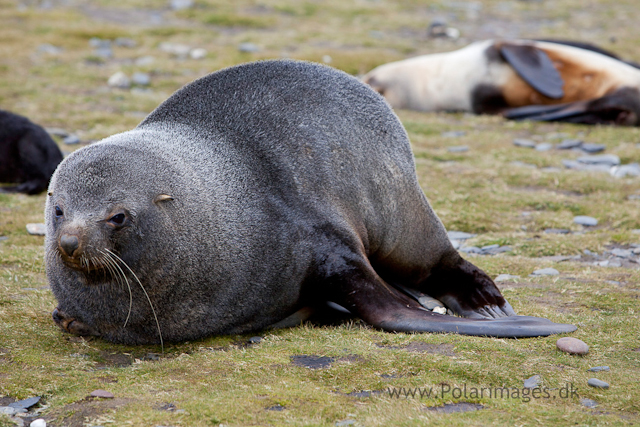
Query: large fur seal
[28, 155]
[522, 79]
[250, 194]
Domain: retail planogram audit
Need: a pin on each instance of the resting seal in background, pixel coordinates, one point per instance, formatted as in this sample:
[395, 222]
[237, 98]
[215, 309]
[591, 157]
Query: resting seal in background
[28, 155]
[522, 79]
[250, 194]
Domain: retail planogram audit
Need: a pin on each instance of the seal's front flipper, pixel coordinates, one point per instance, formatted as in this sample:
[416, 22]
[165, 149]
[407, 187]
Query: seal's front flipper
[72, 325]
[365, 294]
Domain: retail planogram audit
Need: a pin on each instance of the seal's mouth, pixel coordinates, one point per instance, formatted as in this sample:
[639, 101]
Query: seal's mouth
[83, 262]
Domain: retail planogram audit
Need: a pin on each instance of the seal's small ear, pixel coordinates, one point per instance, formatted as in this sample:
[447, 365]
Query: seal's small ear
[50, 193]
[162, 198]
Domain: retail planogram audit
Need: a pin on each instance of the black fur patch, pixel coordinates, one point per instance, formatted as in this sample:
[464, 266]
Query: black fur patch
[487, 99]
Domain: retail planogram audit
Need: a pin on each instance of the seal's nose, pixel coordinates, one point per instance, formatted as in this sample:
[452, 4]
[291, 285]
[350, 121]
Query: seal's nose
[69, 243]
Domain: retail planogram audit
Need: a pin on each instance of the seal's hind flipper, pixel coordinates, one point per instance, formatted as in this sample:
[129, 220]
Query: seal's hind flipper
[365, 294]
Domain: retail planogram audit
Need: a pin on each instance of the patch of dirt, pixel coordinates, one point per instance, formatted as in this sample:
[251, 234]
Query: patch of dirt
[77, 414]
[422, 347]
[114, 360]
[320, 362]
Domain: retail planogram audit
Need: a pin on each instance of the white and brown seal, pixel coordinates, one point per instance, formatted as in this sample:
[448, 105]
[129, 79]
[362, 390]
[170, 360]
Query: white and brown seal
[521, 79]
[248, 195]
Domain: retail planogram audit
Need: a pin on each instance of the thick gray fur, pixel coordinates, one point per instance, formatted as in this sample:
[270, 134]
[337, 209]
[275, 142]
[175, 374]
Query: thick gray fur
[285, 176]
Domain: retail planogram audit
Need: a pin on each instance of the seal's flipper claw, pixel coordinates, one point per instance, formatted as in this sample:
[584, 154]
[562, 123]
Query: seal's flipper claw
[72, 325]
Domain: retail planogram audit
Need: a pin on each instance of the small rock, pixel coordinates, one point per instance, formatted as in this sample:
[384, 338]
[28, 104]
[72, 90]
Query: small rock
[622, 171]
[592, 148]
[102, 393]
[198, 53]
[179, 50]
[440, 310]
[572, 346]
[25, 403]
[143, 61]
[460, 235]
[38, 423]
[587, 221]
[572, 164]
[622, 253]
[35, 229]
[488, 247]
[97, 42]
[546, 272]
[523, 164]
[526, 143]
[453, 134]
[119, 80]
[533, 382]
[456, 244]
[125, 42]
[180, 4]
[71, 140]
[505, 277]
[429, 303]
[255, 340]
[8, 410]
[544, 146]
[59, 132]
[248, 48]
[3, 238]
[594, 382]
[598, 369]
[141, 79]
[327, 59]
[458, 149]
[471, 250]
[568, 144]
[345, 423]
[276, 407]
[557, 231]
[104, 52]
[588, 403]
[498, 250]
[604, 159]
[49, 49]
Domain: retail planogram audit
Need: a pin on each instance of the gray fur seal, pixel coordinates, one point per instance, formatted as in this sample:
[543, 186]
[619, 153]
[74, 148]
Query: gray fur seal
[521, 79]
[28, 155]
[248, 195]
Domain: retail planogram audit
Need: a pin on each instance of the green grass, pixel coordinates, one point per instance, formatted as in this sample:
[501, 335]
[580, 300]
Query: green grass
[222, 380]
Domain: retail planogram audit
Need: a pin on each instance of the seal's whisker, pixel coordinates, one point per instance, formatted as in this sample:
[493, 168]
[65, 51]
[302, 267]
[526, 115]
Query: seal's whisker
[109, 256]
[145, 293]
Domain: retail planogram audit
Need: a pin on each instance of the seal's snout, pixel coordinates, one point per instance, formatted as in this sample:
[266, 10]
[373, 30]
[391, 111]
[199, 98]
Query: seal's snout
[69, 244]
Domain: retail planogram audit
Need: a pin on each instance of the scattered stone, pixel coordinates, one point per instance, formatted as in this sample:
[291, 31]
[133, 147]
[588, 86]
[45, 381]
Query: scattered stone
[440, 310]
[376, 34]
[533, 381]
[59, 132]
[453, 134]
[568, 144]
[598, 369]
[103, 52]
[97, 42]
[603, 159]
[119, 80]
[141, 79]
[572, 346]
[3, 238]
[471, 250]
[276, 407]
[592, 148]
[143, 61]
[557, 231]
[572, 164]
[125, 42]
[505, 277]
[102, 393]
[634, 197]
[544, 146]
[545, 272]
[458, 149]
[312, 362]
[151, 356]
[25, 403]
[497, 250]
[526, 143]
[36, 229]
[255, 340]
[523, 164]
[456, 244]
[450, 408]
[176, 49]
[622, 171]
[622, 253]
[594, 382]
[248, 48]
[198, 53]
[71, 140]
[49, 49]
[429, 303]
[8, 410]
[180, 4]
[344, 423]
[38, 423]
[588, 403]
[460, 235]
[327, 59]
[587, 221]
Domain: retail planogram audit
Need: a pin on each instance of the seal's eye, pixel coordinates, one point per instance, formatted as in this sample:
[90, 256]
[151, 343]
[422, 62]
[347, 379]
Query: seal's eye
[118, 219]
[58, 212]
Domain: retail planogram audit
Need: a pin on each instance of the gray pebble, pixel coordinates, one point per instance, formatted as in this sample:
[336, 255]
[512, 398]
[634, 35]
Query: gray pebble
[25, 403]
[471, 250]
[588, 403]
[533, 382]
[453, 134]
[145, 60]
[141, 79]
[97, 42]
[572, 346]
[523, 164]
[104, 52]
[588, 252]
[622, 253]
[459, 235]
[594, 382]
[125, 42]
[179, 50]
[544, 146]
[456, 244]
[526, 143]
[498, 250]
[345, 423]
[599, 368]
[587, 221]
[255, 340]
[7, 410]
[38, 423]
[592, 148]
[59, 132]
[198, 53]
[505, 277]
[429, 303]
[572, 164]
[181, 4]
[557, 231]
[622, 171]
[568, 144]
[119, 80]
[458, 149]
[603, 159]
[71, 140]
[488, 247]
[546, 272]
[49, 49]
[248, 48]
[36, 229]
